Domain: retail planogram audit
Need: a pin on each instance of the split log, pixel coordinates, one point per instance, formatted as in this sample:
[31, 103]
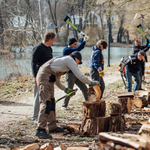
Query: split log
[114, 109]
[97, 92]
[103, 124]
[33, 146]
[105, 137]
[94, 93]
[117, 123]
[145, 129]
[126, 104]
[140, 102]
[46, 146]
[93, 109]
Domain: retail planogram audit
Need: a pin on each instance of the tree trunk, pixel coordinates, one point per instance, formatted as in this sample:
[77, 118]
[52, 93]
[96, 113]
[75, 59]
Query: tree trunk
[93, 109]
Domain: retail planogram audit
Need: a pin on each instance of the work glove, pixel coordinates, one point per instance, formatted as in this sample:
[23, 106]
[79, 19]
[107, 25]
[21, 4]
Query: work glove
[85, 38]
[68, 90]
[81, 36]
[147, 41]
[94, 83]
[101, 72]
[149, 45]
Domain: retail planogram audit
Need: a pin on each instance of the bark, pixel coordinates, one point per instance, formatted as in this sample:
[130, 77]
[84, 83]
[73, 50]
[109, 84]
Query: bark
[115, 109]
[126, 104]
[93, 109]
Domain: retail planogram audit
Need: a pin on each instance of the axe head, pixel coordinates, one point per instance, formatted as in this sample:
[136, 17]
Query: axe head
[67, 17]
[139, 26]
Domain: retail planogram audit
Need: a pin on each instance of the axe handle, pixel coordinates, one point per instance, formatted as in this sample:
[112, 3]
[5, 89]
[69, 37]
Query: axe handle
[142, 32]
[67, 21]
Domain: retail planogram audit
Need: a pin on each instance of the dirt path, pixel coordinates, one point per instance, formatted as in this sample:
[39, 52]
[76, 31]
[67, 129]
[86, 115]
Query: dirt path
[22, 108]
[19, 109]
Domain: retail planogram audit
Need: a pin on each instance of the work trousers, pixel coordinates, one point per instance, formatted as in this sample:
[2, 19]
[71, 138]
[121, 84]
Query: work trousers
[47, 117]
[36, 104]
[137, 80]
[71, 79]
[95, 77]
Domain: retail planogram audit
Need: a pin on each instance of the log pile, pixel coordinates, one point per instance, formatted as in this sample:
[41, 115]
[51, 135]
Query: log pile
[123, 141]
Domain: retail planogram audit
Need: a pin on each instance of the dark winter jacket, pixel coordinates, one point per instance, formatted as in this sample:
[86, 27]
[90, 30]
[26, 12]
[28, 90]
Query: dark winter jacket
[136, 49]
[97, 59]
[40, 55]
[68, 50]
[133, 64]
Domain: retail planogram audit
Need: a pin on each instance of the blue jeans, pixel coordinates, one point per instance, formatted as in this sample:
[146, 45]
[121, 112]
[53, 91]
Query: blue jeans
[129, 81]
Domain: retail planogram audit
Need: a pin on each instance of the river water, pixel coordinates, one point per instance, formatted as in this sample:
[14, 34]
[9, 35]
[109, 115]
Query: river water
[20, 63]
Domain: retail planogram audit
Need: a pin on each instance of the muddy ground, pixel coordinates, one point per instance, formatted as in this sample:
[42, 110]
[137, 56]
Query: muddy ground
[17, 129]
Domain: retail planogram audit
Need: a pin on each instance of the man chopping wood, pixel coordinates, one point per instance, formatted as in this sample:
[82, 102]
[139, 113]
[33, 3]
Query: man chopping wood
[48, 74]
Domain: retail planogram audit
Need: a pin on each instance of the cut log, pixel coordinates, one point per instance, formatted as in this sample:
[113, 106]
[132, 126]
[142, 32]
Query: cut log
[126, 104]
[114, 109]
[145, 129]
[117, 123]
[140, 102]
[105, 137]
[88, 126]
[103, 124]
[141, 93]
[93, 109]
[97, 92]
[125, 94]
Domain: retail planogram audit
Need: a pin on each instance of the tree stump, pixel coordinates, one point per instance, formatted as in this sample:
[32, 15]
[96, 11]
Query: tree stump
[88, 126]
[126, 104]
[117, 123]
[103, 124]
[93, 109]
[140, 102]
[114, 109]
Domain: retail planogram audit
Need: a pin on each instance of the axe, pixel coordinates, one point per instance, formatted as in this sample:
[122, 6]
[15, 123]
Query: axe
[139, 27]
[67, 21]
[69, 94]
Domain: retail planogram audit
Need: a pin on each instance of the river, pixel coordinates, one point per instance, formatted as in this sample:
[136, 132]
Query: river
[20, 63]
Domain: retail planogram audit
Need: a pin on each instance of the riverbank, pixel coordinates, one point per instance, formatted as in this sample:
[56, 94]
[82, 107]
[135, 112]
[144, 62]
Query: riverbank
[123, 45]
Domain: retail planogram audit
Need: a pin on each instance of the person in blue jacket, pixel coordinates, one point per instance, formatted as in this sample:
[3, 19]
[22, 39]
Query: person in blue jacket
[97, 64]
[71, 79]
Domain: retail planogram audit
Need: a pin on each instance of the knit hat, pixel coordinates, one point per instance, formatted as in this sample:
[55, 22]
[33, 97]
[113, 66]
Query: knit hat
[71, 41]
[77, 55]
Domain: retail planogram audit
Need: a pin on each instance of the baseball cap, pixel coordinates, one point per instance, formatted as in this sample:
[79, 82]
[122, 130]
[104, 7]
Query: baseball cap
[77, 55]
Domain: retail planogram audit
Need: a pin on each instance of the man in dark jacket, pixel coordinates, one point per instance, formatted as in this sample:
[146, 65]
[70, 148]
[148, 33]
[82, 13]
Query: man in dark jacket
[133, 64]
[41, 54]
[97, 64]
[71, 79]
[135, 49]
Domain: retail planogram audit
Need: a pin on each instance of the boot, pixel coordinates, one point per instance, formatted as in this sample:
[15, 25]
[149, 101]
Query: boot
[42, 134]
[56, 130]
